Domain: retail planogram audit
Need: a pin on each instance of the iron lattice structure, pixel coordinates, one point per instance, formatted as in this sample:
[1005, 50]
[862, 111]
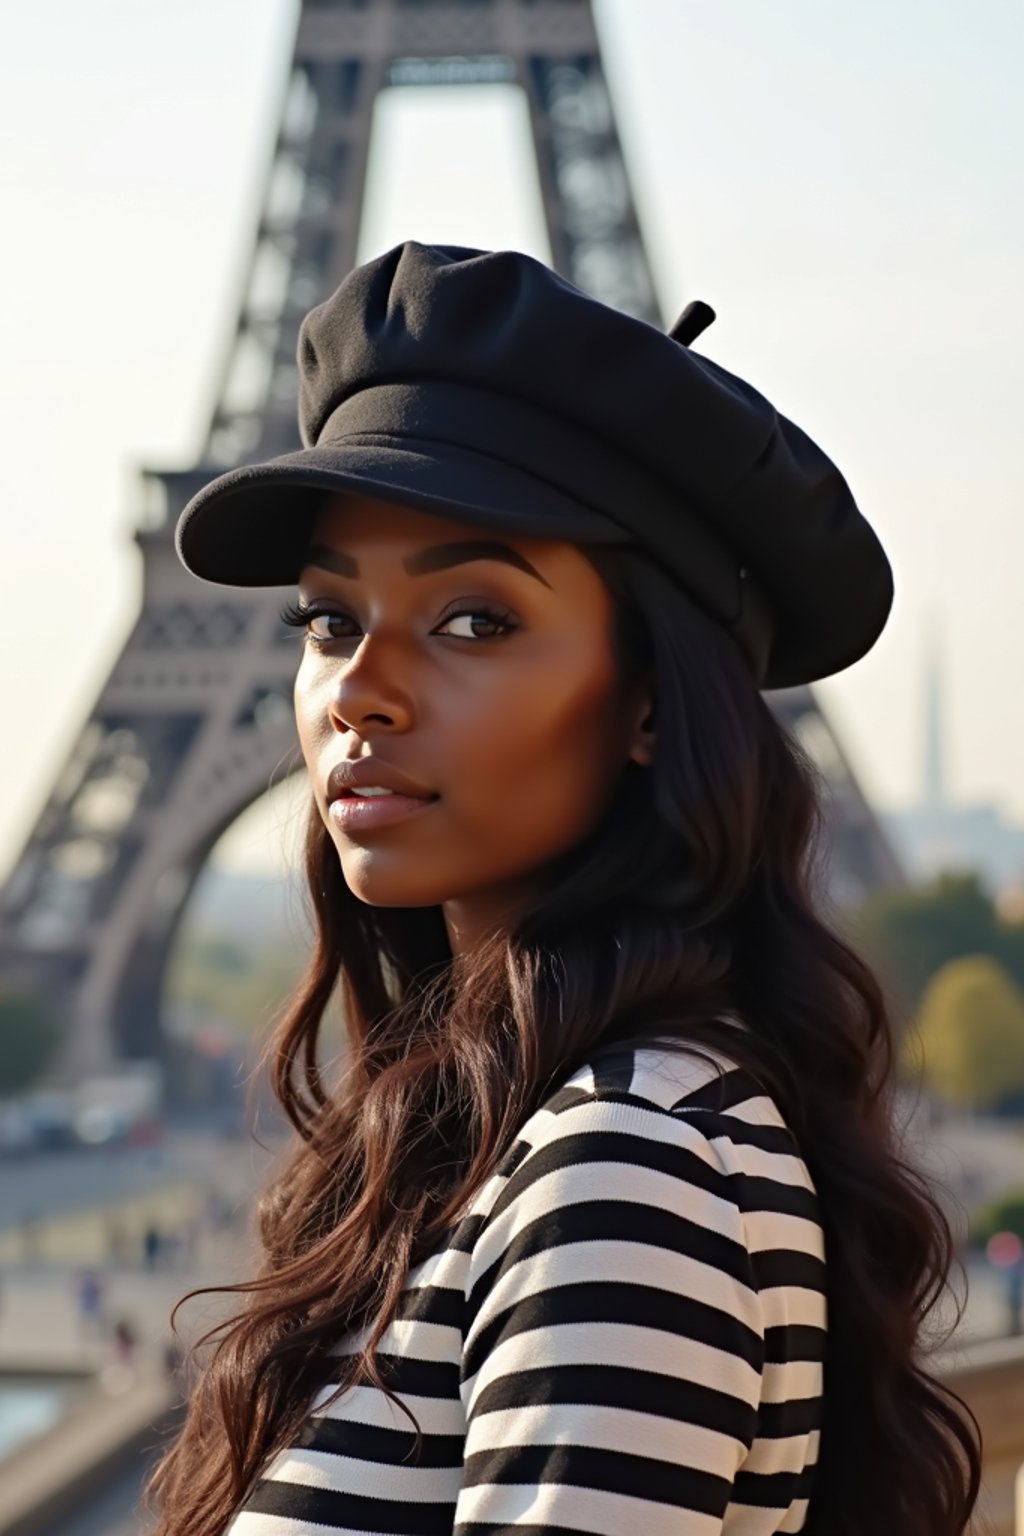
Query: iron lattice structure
[195, 719]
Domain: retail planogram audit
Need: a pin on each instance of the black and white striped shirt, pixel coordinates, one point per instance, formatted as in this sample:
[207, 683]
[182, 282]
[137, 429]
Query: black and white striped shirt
[624, 1334]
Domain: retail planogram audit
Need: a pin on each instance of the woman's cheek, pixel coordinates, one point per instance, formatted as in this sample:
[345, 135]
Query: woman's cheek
[532, 779]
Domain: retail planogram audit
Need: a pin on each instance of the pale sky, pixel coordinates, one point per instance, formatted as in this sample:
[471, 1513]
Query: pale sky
[841, 183]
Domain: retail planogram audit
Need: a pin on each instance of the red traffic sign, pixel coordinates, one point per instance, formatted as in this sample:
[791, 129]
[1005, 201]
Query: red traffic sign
[1004, 1249]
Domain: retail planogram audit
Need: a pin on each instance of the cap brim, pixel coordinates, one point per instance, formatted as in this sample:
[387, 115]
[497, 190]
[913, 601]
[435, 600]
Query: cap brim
[251, 527]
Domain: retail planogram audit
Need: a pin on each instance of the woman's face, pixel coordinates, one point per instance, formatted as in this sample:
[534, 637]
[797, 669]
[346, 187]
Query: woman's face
[481, 668]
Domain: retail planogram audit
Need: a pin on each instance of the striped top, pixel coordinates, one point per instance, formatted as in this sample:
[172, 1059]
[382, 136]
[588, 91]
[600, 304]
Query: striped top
[623, 1334]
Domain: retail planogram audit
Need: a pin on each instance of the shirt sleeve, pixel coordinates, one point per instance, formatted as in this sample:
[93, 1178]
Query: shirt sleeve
[615, 1348]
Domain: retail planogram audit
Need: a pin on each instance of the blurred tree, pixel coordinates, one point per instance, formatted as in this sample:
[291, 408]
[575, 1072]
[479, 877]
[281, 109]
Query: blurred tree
[224, 956]
[29, 1036]
[908, 935]
[218, 978]
[969, 1041]
[1004, 1214]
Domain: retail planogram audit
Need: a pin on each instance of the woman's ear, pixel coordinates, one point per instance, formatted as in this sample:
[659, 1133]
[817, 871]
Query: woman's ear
[642, 749]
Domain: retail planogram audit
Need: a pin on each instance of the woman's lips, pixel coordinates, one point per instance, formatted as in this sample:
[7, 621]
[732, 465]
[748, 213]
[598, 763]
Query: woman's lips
[360, 813]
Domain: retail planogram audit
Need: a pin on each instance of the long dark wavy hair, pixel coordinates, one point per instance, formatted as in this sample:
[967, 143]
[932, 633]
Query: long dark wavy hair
[702, 893]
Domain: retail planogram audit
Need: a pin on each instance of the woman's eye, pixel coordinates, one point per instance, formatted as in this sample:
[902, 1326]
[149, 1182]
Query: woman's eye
[305, 618]
[469, 618]
[328, 626]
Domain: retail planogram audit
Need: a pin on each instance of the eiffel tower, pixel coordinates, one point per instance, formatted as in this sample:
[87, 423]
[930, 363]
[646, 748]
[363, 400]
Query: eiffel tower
[195, 719]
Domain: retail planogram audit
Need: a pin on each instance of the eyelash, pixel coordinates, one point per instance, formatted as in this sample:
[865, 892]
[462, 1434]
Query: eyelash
[300, 615]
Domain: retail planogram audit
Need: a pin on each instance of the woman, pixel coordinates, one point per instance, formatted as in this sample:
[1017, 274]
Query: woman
[599, 1226]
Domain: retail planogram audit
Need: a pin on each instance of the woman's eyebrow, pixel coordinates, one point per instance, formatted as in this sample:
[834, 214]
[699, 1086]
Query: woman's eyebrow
[437, 558]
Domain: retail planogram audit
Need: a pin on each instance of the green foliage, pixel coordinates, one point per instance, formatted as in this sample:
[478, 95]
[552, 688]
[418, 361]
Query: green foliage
[970, 1034]
[217, 978]
[907, 936]
[29, 1037]
[223, 957]
[1004, 1214]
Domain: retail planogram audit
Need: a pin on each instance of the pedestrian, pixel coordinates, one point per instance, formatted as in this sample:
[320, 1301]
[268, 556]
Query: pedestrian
[151, 1246]
[598, 1223]
[1014, 1295]
[89, 1304]
[125, 1341]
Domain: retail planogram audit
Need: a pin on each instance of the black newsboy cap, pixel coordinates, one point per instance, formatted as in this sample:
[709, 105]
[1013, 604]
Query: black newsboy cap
[482, 385]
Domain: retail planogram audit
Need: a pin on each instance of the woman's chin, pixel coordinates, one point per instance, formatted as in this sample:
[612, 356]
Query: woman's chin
[384, 894]
[392, 887]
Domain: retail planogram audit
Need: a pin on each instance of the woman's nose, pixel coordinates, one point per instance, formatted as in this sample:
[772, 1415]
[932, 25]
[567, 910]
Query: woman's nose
[371, 688]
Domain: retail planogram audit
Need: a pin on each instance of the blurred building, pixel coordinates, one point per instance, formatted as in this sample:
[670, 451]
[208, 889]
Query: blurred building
[936, 835]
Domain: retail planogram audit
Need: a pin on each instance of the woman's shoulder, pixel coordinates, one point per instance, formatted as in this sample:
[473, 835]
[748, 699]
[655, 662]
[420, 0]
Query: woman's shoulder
[688, 1109]
[673, 1157]
[671, 1076]
[676, 1077]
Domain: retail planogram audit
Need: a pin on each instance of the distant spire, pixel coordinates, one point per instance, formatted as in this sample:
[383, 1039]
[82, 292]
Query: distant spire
[934, 764]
